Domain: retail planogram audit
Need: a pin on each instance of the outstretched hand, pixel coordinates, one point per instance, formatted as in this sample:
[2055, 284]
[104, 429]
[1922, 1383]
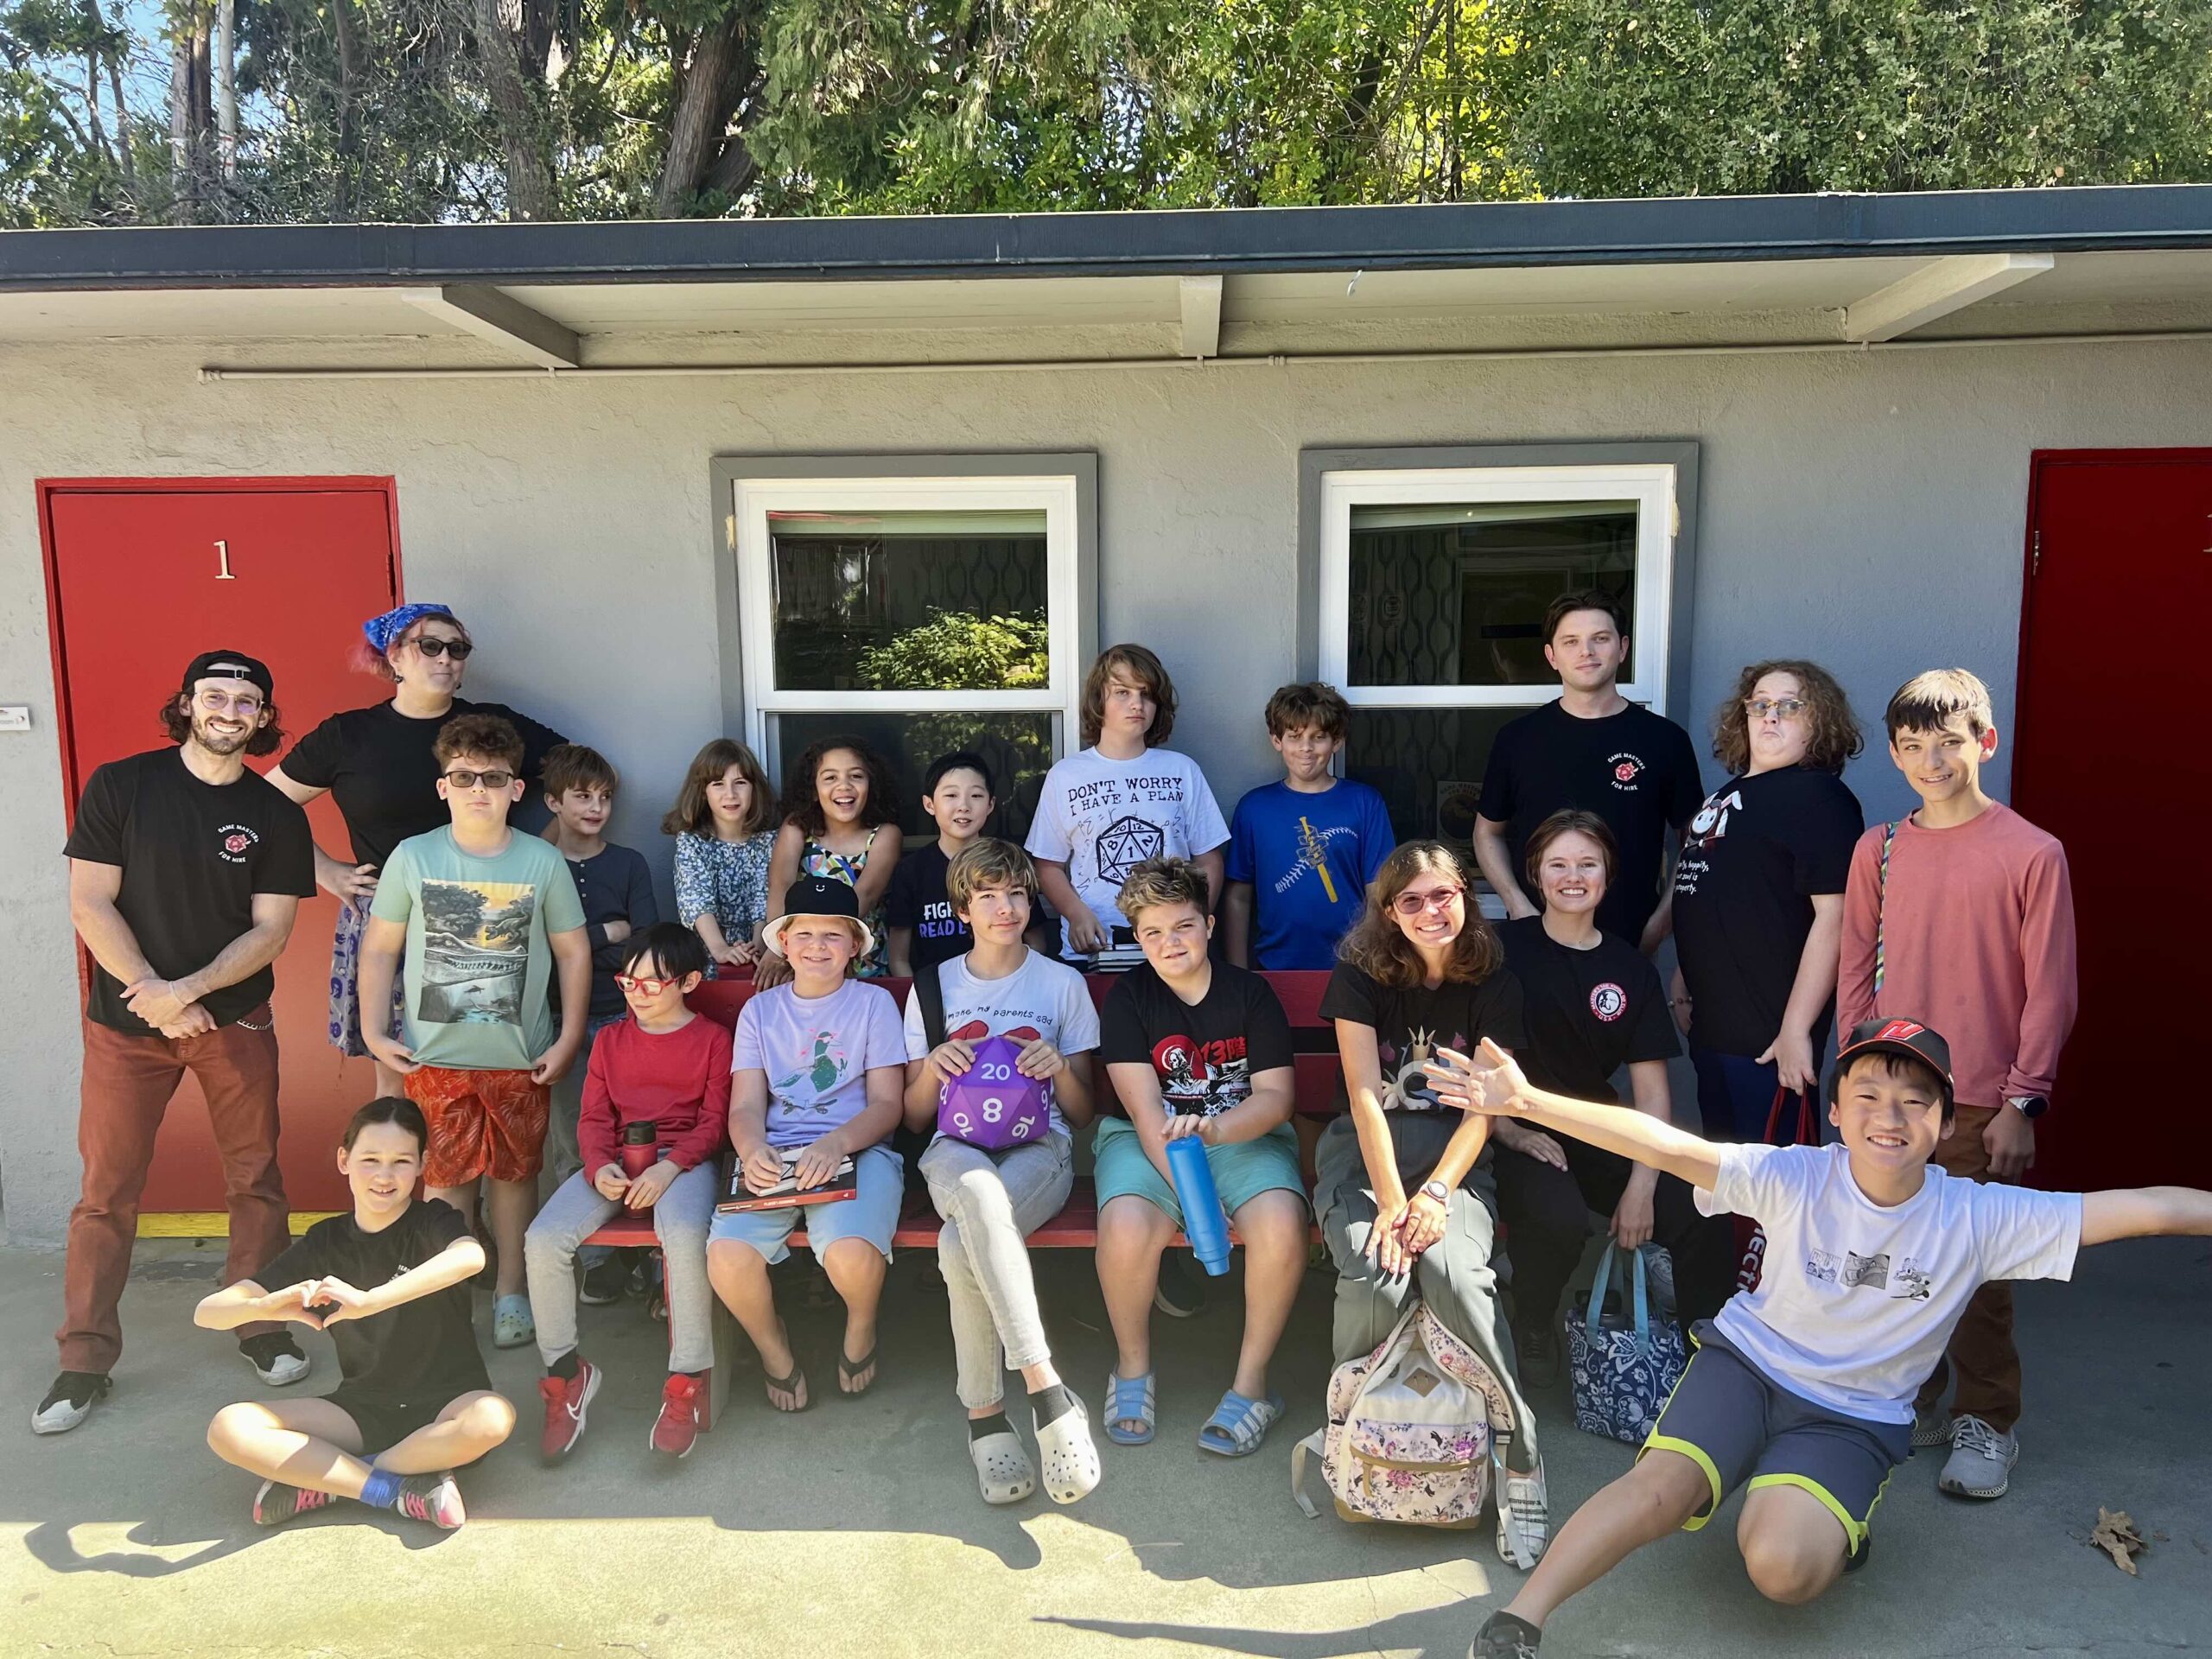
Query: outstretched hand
[1487, 1081]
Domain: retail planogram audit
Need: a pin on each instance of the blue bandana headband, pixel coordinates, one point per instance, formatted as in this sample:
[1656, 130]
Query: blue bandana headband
[383, 630]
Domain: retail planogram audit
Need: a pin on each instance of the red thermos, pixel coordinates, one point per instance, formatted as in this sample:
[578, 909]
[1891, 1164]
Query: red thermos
[640, 1148]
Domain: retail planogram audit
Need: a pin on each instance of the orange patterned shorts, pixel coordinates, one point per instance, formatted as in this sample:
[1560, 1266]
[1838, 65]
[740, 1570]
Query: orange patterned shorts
[481, 1123]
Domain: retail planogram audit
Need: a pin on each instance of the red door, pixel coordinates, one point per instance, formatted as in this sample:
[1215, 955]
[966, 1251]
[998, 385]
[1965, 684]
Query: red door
[2118, 539]
[143, 574]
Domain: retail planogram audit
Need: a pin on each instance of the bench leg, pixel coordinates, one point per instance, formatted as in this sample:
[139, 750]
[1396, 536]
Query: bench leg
[727, 1338]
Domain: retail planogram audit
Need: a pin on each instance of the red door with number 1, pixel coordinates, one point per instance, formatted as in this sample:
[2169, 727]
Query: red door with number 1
[142, 575]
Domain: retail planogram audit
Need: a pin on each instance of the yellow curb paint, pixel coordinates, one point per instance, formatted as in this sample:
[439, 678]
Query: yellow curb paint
[215, 1224]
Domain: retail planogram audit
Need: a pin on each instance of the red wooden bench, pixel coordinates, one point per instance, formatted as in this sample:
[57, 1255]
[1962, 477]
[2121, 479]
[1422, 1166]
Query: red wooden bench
[1076, 1225]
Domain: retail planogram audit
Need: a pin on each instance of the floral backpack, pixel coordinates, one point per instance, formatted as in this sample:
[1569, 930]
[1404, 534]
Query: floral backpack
[1412, 1429]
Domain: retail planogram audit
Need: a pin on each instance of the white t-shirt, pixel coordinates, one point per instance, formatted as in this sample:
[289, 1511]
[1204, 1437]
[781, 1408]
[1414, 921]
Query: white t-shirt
[816, 1052]
[1042, 998]
[1102, 818]
[1857, 1302]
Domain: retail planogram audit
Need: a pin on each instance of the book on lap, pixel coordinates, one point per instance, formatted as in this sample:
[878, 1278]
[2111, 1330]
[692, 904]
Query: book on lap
[738, 1198]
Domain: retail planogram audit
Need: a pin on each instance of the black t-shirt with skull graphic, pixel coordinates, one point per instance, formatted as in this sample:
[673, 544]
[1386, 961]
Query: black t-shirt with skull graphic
[1204, 1053]
[1412, 1022]
[1588, 1013]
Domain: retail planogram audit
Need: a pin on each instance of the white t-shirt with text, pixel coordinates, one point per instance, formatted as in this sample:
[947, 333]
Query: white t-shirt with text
[1857, 1301]
[1042, 998]
[1102, 818]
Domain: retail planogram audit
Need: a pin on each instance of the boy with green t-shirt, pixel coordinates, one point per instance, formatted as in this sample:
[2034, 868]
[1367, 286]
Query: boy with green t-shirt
[484, 917]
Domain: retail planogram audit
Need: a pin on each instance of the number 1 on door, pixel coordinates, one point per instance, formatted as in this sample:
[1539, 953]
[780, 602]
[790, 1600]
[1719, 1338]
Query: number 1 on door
[223, 555]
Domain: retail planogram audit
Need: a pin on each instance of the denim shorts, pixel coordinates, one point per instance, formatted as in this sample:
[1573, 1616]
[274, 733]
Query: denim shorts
[874, 1216]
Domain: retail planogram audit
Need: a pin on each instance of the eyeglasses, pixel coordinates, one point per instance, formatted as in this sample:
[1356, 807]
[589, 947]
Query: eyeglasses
[463, 778]
[245, 703]
[435, 645]
[1412, 904]
[1780, 707]
[628, 983]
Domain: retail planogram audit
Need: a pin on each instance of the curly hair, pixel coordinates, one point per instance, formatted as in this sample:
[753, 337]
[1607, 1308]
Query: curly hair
[691, 816]
[1835, 738]
[1160, 881]
[1315, 703]
[488, 737]
[176, 721]
[1142, 665]
[1378, 947]
[803, 800]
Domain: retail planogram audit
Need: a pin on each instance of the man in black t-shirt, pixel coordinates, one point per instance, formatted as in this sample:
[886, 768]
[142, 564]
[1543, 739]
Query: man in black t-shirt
[185, 873]
[1591, 748]
[390, 1283]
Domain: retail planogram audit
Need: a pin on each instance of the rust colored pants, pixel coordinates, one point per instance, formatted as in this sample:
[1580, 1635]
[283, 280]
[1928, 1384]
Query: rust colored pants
[128, 1081]
[1983, 1355]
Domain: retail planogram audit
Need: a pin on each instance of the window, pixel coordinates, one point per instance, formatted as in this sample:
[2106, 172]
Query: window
[1432, 584]
[918, 613]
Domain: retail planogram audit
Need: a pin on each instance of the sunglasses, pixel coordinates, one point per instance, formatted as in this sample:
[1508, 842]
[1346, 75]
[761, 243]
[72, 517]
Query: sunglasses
[431, 645]
[628, 983]
[463, 778]
[1412, 904]
[1780, 707]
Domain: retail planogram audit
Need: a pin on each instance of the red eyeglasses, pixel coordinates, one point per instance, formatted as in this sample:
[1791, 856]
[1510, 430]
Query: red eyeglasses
[628, 983]
[1412, 904]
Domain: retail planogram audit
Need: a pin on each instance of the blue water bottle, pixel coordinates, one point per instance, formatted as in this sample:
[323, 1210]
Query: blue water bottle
[1204, 1223]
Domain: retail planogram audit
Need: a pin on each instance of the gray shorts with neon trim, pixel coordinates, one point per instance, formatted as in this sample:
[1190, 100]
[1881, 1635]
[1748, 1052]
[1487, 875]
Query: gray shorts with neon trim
[1734, 1422]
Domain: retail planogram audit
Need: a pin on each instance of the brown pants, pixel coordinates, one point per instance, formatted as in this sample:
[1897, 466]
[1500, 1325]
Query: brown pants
[128, 1084]
[1981, 1354]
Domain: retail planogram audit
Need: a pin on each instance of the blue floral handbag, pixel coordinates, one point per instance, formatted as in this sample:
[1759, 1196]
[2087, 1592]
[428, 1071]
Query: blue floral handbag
[1625, 1365]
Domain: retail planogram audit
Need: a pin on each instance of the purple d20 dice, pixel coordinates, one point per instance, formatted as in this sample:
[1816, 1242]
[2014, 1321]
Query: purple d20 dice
[992, 1105]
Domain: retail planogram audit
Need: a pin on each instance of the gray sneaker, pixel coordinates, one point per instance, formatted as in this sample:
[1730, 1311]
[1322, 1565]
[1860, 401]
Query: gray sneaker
[1981, 1465]
[1931, 1426]
[1524, 1518]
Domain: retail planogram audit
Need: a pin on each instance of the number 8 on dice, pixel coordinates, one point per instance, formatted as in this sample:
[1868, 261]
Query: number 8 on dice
[991, 1104]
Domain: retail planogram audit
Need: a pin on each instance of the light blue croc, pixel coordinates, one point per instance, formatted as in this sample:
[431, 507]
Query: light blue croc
[511, 1324]
[1130, 1399]
[1238, 1425]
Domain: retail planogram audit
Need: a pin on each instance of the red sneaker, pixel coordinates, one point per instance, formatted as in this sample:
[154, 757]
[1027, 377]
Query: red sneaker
[566, 1399]
[677, 1428]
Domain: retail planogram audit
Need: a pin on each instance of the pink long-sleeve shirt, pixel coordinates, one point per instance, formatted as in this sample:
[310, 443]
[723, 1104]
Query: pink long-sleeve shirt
[1977, 942]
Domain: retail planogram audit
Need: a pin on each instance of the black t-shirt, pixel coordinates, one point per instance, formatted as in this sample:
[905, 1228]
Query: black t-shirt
[1203, 1053]
[193, 855]
[423, 1352]
[1636, 770]
[377, 766]
[1755, 855]
[1588, 1013]
[916, 899]
[1412, 1022]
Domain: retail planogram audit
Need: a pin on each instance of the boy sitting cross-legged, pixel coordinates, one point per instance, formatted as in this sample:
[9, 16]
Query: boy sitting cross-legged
[663, 1070]
[390, 1282]
[1805, 1385]
[1200, 1048]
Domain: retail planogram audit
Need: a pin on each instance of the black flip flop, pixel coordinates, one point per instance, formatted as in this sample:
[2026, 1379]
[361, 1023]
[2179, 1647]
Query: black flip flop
[849, 1368]
[787, 1385]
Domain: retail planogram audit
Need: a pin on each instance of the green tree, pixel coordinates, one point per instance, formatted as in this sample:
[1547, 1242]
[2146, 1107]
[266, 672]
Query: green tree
[956, 650]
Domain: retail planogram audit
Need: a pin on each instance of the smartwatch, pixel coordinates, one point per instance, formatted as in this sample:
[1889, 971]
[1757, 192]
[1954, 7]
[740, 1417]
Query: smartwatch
[2028, 1106]
[1436, 1190]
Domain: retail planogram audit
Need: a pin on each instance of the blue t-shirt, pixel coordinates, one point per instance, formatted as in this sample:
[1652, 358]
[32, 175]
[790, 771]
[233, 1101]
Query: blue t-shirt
[1309, 859]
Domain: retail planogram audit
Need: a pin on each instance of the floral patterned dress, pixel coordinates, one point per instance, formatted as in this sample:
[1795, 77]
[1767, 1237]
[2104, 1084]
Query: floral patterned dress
[726, 879]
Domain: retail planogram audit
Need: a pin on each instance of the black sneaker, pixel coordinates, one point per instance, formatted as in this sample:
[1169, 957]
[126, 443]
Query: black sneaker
[1537, 1349]
[606, 1282]
[69, 1402]
[1180, 1293]
[275, 1358]
[1857, 1559]
[1505, 1637]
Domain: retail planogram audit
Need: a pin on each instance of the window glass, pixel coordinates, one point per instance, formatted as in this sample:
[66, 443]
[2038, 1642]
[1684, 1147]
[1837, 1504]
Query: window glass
[1427, 766]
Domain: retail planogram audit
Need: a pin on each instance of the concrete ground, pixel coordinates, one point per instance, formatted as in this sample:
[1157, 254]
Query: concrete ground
[856, 1529]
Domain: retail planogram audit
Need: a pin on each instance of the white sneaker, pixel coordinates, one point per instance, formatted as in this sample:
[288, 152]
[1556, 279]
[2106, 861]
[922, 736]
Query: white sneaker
[1524, 1518]
[69, 1402]
[1981, 1465]
[279, 1367]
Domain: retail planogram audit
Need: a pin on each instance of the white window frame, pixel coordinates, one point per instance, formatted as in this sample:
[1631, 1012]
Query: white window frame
[754, 500]
[1652, 485]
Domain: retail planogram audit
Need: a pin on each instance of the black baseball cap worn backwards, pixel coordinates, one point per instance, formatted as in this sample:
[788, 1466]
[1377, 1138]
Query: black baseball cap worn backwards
[1906, 1036]
[230, 665]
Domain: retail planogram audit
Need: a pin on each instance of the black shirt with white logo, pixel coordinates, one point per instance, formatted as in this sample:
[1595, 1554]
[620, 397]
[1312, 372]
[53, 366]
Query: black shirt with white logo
[378, 765]
[192, 857]
[1203, 1053]
[1588, 1013]
[916, 898]
[422, 1352]
[1753, 858]
[1636, 770]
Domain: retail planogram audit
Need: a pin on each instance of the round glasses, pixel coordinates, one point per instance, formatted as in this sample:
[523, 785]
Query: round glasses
[1412, 904]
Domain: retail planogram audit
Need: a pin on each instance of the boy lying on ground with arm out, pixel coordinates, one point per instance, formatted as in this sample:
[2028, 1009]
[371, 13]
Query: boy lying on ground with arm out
[1805, 1385]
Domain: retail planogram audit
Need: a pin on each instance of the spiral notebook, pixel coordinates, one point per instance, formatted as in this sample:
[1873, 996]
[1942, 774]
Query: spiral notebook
[737, 1198]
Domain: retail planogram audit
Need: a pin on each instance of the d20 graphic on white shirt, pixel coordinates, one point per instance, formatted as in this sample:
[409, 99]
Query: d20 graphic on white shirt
[1124, 845]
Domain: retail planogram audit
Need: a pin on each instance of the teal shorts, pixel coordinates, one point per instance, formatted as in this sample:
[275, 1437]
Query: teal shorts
[1241, 1173]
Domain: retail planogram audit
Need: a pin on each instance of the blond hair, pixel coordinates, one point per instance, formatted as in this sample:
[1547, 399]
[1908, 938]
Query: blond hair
[987, 863]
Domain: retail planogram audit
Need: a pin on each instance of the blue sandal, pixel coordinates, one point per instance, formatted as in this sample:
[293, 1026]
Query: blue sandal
[1130, 1399]
[1238, 1425]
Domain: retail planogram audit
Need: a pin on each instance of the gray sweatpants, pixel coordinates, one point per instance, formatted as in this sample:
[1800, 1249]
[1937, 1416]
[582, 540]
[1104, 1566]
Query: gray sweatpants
[575, 1212]
[991, 1202]
[1454, 1276]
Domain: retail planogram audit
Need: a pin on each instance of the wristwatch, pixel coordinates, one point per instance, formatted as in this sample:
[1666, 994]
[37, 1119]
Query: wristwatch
[1436, 1190]
[2028, 1106]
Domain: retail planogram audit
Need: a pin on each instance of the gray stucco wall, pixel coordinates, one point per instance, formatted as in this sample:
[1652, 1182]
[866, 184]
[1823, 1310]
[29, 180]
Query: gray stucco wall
[1867, 511]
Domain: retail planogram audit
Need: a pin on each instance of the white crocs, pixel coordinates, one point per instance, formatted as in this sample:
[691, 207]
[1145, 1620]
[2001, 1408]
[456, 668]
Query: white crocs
[1071, 1455]
[1003, 1467]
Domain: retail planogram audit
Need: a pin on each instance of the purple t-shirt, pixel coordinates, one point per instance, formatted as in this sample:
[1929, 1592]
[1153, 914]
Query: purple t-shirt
[817, 1053]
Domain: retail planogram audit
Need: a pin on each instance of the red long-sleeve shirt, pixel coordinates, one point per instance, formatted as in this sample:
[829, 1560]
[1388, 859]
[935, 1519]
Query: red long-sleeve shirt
[1978, 942]
[678, 1079]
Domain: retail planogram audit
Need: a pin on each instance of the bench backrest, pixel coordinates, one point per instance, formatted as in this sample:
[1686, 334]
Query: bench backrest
[1314, 1037]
